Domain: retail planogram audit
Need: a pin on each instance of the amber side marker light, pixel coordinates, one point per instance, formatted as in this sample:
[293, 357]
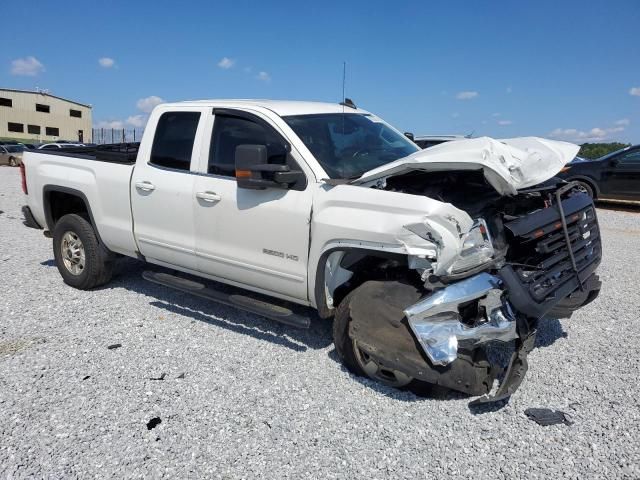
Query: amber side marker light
[565, 169]
[243, 173]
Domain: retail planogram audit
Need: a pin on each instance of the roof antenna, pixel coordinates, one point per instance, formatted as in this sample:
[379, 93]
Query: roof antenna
[346, 102]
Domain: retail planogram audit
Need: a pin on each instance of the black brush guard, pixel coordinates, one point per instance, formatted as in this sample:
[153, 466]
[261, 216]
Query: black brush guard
[559, 248]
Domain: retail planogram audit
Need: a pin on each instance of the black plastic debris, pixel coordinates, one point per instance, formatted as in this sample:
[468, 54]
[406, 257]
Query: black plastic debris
[153, 423]
[87, 377]
[114, 346]
[546, 416]
[161, 377]
[181, 376]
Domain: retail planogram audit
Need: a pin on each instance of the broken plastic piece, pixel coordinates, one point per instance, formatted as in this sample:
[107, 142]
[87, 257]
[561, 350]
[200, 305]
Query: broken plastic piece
[161, 377]
[516, 371]
[153, 423]
[114, 346]
[546, 416]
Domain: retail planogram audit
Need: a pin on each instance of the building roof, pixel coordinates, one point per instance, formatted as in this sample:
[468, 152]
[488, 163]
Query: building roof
[280, 107]
[45, 94]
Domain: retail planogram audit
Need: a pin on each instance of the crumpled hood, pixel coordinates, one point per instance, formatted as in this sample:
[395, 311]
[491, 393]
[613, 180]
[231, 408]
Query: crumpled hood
[508, 165]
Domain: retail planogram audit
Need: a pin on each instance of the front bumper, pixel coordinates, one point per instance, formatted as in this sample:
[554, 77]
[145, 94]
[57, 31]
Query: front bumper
[437, 324]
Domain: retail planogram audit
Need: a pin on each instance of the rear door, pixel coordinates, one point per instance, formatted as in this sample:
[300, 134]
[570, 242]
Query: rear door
[162, 189]
[256, 238]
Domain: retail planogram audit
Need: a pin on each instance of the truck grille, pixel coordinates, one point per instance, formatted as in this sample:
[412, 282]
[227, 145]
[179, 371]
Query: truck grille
[540, 251]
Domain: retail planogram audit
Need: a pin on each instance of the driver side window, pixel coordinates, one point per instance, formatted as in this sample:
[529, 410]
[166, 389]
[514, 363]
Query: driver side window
[229, 132]
[631, 157]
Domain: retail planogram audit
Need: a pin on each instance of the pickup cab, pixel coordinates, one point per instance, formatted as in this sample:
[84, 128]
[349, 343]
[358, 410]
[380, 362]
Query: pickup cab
[421, 257]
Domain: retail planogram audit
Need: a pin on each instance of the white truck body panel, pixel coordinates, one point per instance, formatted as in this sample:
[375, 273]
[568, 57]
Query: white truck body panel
[105, 185]
[272, 240]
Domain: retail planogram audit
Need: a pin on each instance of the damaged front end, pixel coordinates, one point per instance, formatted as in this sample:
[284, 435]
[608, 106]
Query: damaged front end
[545, 247]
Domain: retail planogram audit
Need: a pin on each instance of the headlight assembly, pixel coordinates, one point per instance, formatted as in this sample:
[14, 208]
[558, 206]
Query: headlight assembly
[476, 248]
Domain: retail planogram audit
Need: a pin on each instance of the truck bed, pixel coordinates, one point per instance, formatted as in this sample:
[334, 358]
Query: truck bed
[101, 175]
[124, 153]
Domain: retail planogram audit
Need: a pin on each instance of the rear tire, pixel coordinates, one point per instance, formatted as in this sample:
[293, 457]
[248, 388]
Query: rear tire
[83, 262]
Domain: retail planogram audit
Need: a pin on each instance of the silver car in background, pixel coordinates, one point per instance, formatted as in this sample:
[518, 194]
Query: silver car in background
[11, 154]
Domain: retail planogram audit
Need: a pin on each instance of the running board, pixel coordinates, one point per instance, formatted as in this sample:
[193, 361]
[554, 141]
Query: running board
[259, 307]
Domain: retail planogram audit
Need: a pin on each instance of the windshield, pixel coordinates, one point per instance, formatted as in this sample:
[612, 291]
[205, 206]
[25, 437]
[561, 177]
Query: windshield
[16, 148]
[349, 144]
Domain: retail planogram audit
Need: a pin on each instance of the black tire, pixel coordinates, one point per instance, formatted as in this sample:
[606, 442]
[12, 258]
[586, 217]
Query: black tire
[12, 162]
[345, 348]
[98, 260]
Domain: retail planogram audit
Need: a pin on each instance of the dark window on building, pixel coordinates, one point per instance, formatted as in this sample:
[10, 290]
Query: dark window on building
[52, 131]
[35, 129]
[43, 108]
[173, 142]
[6, 102]
[229, 132]
[75, 113]
[16, 127]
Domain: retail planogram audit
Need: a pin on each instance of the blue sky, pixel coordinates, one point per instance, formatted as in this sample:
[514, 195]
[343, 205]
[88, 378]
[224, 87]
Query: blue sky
[565, 69]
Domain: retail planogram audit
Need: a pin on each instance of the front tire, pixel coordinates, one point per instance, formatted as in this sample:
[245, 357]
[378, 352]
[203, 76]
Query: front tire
[356, 359]
[588, 189]
[82, 261]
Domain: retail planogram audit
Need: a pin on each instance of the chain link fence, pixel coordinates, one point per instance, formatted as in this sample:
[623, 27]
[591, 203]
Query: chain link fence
[116, 135]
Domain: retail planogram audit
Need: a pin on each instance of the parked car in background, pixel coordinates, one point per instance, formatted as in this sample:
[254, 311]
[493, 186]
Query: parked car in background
[615, 176]
[11, 155]
[426, 141]
[30, 146]
[57, 146]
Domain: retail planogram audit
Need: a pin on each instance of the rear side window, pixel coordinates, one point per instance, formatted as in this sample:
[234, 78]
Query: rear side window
[229, 132]
[173, 142]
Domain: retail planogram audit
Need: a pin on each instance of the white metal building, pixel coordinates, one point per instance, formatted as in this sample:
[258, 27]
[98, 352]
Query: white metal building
[41, 117]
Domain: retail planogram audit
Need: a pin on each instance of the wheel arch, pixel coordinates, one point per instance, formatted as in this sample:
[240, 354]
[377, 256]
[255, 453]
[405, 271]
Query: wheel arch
[320, 287]
[53, 211]
[586, 179]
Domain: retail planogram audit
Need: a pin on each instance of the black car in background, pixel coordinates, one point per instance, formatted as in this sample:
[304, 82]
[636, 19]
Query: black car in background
[615, 176]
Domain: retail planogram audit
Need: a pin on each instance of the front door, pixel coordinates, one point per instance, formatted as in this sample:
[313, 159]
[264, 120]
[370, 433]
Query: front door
[624, 176]
[257, 238]
[162, 191]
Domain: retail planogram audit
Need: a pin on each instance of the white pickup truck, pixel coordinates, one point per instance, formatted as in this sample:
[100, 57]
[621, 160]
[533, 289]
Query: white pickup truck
[421, 257]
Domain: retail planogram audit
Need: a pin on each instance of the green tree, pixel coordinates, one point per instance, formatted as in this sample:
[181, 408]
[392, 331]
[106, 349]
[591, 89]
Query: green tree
[596, 150]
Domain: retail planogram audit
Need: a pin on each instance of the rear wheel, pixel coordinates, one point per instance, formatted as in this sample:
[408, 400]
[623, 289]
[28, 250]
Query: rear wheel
[82, 261]
[355, 358]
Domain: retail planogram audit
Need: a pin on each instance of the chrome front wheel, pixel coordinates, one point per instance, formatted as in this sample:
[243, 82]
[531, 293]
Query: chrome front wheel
[72, 252]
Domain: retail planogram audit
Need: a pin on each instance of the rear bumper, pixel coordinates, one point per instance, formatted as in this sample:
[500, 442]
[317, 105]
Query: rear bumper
[29, 219]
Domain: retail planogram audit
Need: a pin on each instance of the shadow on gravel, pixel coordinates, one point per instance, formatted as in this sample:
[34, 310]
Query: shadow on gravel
[620, 207]
[413, 393]
[128, 275]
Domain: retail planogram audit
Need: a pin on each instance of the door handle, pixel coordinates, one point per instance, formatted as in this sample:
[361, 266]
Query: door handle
[208, 196]
[145, 186]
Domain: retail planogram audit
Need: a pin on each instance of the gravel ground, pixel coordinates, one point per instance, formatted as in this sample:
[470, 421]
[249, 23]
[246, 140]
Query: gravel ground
[243, 397]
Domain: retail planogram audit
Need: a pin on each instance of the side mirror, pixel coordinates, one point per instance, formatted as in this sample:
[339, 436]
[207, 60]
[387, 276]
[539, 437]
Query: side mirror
[253, 171]
[410, 136]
